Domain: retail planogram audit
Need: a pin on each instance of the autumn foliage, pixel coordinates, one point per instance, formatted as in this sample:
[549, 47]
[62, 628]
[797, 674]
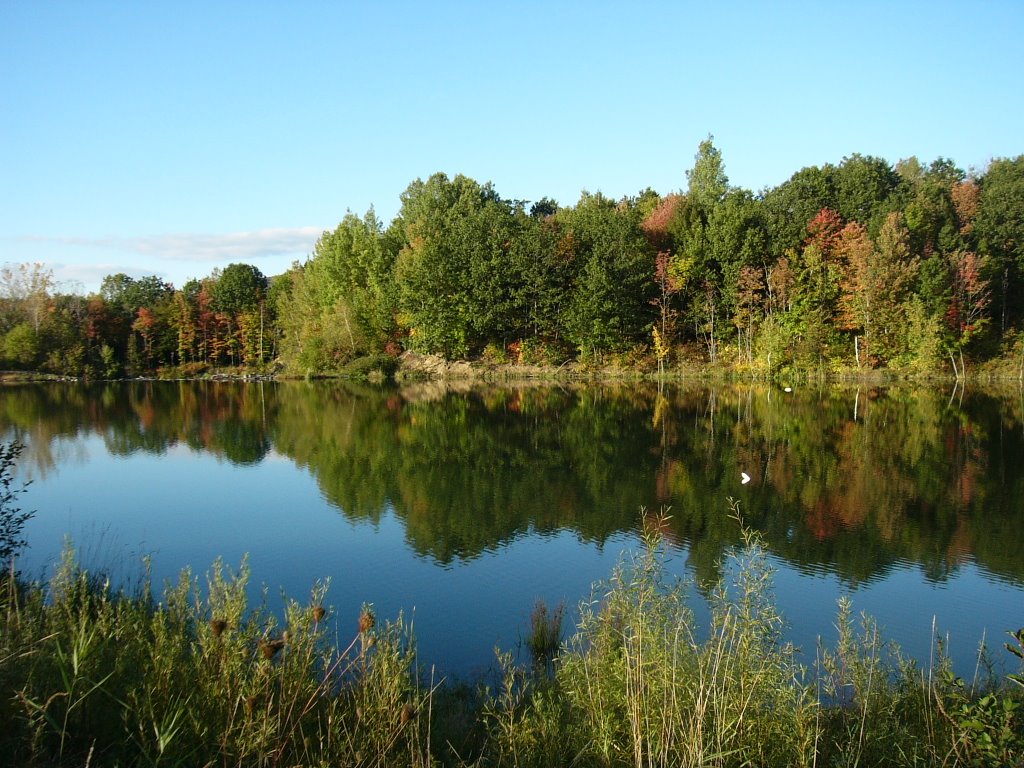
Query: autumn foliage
[849, 266]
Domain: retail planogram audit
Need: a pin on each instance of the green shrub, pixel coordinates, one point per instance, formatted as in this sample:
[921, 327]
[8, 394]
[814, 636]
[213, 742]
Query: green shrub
[635, 685]
[12, 518]
[200, 678]
[370, 367]
[640, 684]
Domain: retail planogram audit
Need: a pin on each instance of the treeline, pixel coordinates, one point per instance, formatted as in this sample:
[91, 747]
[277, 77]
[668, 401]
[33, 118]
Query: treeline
[135, 326]
[852, 266]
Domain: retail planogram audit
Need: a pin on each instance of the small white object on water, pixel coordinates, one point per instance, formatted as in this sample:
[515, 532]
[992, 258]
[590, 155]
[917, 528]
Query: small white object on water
[787, 389]
[745, 478]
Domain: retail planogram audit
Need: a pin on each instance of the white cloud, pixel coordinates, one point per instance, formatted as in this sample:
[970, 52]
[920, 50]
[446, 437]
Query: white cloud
[201, 248]
[80, 263]
[85, 277]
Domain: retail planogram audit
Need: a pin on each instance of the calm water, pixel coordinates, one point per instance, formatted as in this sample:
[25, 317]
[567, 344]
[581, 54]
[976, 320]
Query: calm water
[462, 508]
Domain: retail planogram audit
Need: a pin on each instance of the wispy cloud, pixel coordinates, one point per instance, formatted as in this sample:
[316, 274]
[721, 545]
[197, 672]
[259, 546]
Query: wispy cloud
[81, 278]
[201, 248]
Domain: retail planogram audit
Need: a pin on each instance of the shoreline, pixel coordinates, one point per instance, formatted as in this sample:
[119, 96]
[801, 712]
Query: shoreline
[411, 367]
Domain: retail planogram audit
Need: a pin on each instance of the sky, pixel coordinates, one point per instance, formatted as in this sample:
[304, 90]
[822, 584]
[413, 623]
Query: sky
[175, 138]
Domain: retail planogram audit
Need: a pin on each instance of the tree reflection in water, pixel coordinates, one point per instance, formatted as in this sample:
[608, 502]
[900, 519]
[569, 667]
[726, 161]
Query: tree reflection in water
[844, 480]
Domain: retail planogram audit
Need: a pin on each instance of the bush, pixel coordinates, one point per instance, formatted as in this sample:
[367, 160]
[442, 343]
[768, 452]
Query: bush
[635, 685]
[200, 677]
[371, 366]
[495, 354]
[12, 518]
[94, 677]
[640, 684]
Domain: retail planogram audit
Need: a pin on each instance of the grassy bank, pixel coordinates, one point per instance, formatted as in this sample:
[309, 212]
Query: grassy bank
[638, 364]
[196, 676]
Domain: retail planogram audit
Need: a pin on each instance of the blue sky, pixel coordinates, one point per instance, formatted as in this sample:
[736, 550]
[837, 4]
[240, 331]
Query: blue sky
[172, 138]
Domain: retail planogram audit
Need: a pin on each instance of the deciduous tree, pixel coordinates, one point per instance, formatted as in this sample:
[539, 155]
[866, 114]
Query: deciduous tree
[1000, 230]
[25, 294]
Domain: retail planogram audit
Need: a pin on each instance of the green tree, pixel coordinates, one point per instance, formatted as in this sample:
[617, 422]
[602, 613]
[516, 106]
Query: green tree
[749, 308]
[497, 279]
[737, 238]
[864, 187]
[65, 343]
[129, 294]
[1000, 232]
[542, 255]
[543, 208]
[456, 284]
[184, 323]
[880, 277]
[810, 282]
[238, 288]
[789, 207]
[298, 305]
[707, 181]
[705, 226]
[342, 302]
[238, 297]
[815, 291]
[436, 309]
[22, 346]
[352, 263]
[124, 296]
[610, 304]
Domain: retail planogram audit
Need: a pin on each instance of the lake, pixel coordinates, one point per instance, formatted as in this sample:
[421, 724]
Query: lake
[461, 507]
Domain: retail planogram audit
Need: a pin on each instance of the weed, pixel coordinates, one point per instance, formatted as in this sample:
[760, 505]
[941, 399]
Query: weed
[545, 634]
[201, 677]
[12, 518]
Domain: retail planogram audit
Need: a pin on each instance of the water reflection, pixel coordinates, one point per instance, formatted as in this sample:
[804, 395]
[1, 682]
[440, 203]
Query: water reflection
[848, 481]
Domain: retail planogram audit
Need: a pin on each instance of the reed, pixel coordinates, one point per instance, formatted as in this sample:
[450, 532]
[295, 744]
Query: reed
[639, 684]
[545, 634]
[198, 676]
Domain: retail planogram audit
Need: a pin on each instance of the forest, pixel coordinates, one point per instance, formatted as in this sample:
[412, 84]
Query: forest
[912, 268]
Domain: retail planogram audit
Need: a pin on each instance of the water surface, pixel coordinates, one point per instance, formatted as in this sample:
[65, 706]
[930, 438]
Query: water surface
[463, 507]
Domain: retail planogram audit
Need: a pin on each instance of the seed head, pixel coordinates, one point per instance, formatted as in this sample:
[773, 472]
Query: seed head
[269, 648]
[366, 621]
[408, 713]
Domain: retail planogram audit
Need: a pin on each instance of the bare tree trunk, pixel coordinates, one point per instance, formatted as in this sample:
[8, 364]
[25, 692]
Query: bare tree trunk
[961, 374]
[261, 332]
[1006, 284]
[351, 338]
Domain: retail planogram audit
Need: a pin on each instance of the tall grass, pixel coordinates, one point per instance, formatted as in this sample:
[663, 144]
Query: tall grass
[199, 677]
[639, 685]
